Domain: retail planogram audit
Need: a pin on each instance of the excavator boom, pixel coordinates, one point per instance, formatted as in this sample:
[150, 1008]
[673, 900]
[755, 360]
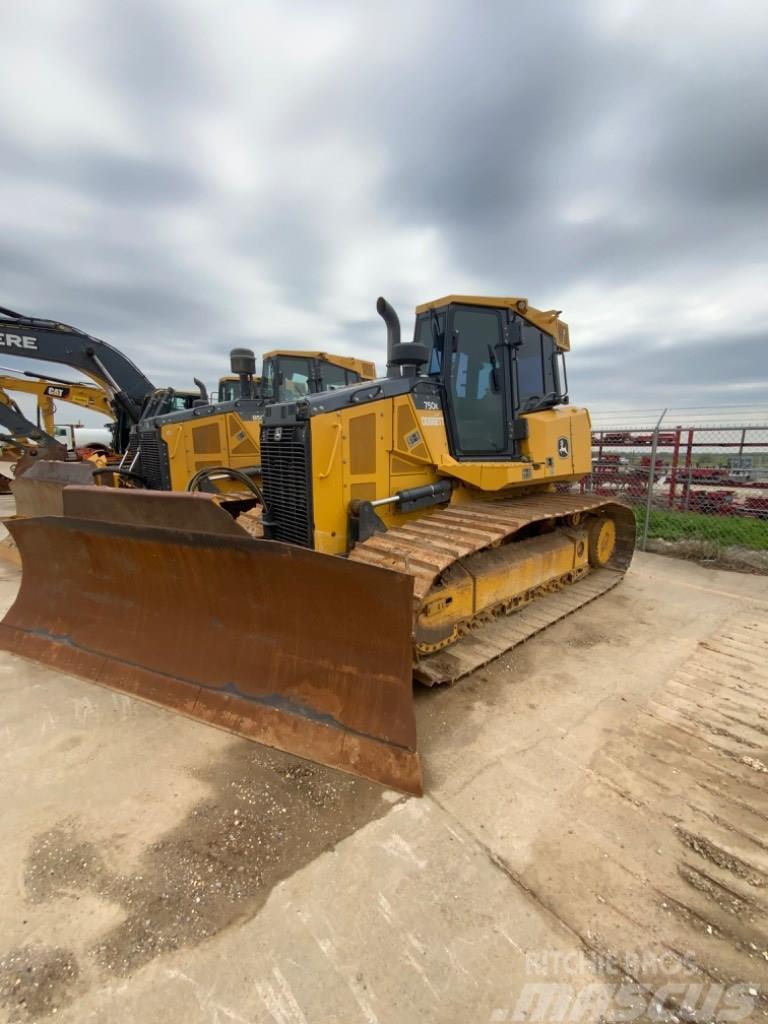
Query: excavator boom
[55, 342]
[47, 391]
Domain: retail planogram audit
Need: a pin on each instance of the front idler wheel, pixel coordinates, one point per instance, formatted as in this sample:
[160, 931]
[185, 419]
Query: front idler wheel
[602, 541]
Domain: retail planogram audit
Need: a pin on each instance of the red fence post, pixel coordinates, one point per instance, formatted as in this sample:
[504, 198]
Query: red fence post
[673, 474]
[595, 483]
[688, 465]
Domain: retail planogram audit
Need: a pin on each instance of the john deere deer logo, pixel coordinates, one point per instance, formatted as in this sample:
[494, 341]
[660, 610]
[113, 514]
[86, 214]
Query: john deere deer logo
[563, 448]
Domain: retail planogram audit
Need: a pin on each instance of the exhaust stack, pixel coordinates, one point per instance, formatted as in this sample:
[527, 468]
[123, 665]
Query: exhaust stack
[390, 318]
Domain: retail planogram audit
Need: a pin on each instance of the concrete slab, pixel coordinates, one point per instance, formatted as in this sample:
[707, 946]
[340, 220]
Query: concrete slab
[157, 869]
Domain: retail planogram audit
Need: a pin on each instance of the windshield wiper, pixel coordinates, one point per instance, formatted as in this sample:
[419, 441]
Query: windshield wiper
[541, 402]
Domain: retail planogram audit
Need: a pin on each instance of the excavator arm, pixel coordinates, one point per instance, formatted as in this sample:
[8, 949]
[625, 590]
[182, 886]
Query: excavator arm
[19, 428]
[54, 342]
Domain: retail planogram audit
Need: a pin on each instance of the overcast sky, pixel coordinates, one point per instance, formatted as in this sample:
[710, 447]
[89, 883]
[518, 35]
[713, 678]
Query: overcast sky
[179, 178]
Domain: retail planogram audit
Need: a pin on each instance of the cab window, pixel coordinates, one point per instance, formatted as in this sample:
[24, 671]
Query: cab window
[285, 379]
[429, 332]
[229, 390]
[537, 373]
[268, 380]
[333, 376]
[180, 402]
[478, 406]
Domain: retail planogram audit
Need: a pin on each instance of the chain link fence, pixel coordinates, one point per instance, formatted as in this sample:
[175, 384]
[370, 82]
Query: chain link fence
[699, 489]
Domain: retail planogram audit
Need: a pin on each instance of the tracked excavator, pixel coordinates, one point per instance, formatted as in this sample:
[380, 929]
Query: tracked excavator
[128, 389]
[45, 469]
[413, 527]
[20, 431]
[47, 391]
[25, 439]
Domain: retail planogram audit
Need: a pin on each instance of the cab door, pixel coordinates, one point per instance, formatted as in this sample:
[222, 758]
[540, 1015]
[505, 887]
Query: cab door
[475, 375]
[286, 378]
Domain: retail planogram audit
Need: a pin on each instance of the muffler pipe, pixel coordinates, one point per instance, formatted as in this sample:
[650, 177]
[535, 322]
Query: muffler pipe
[390, 318]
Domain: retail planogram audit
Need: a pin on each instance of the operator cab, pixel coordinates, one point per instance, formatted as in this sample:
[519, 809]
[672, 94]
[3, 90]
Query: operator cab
[289, 378]
[180, 400]
[231, 388]
[164, 401]
[497, 360]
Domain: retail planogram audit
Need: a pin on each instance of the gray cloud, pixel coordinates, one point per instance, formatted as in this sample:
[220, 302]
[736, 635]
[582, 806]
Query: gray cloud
[107, 177]
[181, 180]
[687, 370]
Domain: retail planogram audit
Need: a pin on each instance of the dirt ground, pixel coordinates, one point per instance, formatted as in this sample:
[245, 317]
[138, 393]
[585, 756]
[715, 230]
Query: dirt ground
[712, 555]
[595, 819]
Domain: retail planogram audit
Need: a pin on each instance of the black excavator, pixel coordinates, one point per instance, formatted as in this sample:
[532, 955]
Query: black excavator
[130, 391]
[45, 468]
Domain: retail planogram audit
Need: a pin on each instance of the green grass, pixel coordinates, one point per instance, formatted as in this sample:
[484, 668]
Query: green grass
[722, 530]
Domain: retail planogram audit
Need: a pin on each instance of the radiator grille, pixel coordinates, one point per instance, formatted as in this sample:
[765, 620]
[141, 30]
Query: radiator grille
[153, 459]
[286, 482]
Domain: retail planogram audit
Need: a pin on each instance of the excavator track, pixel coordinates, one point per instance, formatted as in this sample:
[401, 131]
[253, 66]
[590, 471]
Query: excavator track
[428, 548]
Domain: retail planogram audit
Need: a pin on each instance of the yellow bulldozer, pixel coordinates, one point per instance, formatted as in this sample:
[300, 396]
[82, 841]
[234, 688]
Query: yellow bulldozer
[203, 457]
[411, 527]
[214, 447]
[287, 369]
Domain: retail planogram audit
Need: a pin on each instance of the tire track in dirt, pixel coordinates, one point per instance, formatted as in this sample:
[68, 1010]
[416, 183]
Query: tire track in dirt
[670, 847]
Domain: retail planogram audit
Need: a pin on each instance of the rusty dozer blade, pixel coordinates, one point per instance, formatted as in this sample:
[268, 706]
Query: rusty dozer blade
[31, 455]
[163, 596]
[38, 491]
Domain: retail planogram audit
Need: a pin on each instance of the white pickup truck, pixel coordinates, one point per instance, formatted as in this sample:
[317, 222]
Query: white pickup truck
[73, 436]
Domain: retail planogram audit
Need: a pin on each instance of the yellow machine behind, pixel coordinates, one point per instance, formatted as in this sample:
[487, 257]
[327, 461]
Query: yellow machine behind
[206, 444]
[48, 392]
[398, 525]
[213, 447]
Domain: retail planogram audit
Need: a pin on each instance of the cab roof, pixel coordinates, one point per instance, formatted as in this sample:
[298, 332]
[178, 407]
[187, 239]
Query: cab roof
[546, 320]
[366, 369]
